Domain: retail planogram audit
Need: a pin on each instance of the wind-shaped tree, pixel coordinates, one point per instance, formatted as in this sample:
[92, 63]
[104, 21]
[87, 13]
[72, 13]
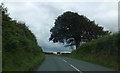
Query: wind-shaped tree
[72, 28]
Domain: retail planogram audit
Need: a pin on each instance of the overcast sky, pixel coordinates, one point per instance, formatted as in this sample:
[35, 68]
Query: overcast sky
[40, 16]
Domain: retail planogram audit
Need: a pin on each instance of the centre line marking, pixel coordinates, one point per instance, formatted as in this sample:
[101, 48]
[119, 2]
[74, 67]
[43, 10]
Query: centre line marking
[75, 68]
[64, 60]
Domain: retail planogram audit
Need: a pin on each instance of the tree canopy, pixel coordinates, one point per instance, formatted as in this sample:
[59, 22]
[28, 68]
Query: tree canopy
[72, 28]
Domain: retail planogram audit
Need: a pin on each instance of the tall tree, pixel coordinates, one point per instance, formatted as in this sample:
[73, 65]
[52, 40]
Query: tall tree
[72, 28]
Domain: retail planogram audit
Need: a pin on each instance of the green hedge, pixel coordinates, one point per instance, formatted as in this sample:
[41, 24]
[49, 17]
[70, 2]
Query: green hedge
[20, 51]
[103, 51]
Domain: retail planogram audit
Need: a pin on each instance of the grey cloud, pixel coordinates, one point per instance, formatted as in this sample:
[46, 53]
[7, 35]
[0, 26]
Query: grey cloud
[40, 17]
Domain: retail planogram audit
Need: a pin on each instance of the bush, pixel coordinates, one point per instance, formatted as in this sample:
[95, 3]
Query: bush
[103, 51]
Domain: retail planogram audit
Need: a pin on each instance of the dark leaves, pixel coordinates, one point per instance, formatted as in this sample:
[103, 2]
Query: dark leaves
[72, 25]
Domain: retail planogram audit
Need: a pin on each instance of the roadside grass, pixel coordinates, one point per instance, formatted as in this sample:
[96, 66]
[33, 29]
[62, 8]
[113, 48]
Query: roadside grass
[21, 60]
[100, 60]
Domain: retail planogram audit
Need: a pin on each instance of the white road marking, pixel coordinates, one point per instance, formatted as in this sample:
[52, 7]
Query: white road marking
[73, 66]
[64, 60]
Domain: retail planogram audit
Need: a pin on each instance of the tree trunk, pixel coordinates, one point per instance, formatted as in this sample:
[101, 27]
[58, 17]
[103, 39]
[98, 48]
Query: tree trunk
[77, 43]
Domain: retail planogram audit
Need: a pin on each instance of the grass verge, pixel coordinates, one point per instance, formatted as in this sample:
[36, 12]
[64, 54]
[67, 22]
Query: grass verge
[21, 60]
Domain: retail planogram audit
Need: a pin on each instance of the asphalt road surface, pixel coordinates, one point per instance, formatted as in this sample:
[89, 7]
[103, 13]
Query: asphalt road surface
[58, 63]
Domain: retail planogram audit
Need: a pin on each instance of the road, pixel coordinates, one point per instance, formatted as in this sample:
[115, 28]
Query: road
[58, 63]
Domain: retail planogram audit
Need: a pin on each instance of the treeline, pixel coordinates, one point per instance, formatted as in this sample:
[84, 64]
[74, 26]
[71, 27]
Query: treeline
[103, 51]
[20, 51]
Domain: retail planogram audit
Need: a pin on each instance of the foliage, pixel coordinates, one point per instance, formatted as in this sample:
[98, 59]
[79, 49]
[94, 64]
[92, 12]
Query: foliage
[107, 43]
[72, 28]
[20, 51]
[103, 51]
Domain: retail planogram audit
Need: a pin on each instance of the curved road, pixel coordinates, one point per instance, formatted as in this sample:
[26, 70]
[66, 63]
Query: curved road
[58, 63]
